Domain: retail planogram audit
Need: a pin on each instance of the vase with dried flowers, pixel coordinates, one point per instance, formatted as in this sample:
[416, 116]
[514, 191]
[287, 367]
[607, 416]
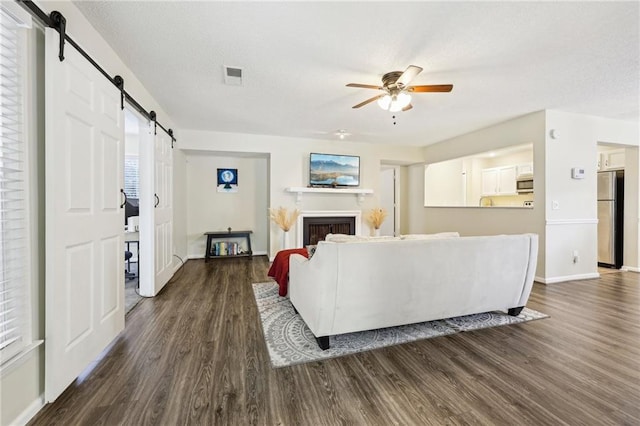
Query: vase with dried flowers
[375, 217]
[285, 221]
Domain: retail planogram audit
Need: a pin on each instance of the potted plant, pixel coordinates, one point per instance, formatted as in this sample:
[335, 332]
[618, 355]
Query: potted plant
[285, 221]
[375, 217]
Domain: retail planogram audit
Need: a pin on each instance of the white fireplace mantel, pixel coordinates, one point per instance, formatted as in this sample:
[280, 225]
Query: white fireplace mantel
[299, 190]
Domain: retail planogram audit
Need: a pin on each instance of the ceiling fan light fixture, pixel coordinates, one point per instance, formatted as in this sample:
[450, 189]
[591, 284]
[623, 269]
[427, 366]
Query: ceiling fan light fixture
[385, 102]
[403, 99]
[395, 102]
[341, 134]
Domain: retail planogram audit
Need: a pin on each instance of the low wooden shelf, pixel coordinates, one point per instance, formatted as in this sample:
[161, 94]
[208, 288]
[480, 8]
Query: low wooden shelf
[223, 236]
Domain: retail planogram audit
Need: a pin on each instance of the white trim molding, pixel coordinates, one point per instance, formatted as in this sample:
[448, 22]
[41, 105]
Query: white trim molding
[21, 17]
[29, 412]
[565, 278]
[572, 221]
[299, 190]
[630, 268]
[19, 359]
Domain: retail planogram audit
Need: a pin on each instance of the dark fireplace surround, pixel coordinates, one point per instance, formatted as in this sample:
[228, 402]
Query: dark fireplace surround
[314, 229]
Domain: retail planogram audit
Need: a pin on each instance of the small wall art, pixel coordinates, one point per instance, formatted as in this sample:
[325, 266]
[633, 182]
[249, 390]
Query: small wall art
[227, 180]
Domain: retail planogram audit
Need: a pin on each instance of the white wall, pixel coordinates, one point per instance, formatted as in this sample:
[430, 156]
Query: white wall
[404, 198]
[416, 212]
[518, 131]
[631, 209]
[209, 210]
[22, 387]
[571, 207]
[510, 159]
[180, 247]
[289, 166]
[445, 184]
[573, 225]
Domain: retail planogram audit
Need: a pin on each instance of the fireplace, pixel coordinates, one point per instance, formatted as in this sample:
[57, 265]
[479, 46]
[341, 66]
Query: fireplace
[312, 226]
[314, 229]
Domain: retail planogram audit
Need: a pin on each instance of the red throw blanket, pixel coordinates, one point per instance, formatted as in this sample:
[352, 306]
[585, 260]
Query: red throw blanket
[280, 268]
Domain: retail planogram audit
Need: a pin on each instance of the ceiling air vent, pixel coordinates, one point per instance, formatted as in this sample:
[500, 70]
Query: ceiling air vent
[233, 76]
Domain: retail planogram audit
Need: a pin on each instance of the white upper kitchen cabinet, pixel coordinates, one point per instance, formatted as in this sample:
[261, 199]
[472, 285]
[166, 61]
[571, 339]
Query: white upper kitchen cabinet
[490, 182]
[613, 159]
[525, 169]
[499, 181]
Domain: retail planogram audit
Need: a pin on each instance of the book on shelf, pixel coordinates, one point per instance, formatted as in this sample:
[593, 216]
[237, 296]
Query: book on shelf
[226, 248]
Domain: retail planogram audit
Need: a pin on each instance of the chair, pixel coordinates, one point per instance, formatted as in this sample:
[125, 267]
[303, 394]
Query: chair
[127, 258]
[133, 224]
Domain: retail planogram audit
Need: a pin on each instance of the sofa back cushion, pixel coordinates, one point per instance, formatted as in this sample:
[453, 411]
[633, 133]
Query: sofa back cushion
[343, 238]
[429, 236]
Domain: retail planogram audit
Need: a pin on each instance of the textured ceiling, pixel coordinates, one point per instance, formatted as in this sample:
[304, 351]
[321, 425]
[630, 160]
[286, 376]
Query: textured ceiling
[504, 60]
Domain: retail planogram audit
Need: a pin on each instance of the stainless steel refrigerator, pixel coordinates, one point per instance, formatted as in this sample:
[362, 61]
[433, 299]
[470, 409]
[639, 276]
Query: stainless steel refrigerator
[610, 218]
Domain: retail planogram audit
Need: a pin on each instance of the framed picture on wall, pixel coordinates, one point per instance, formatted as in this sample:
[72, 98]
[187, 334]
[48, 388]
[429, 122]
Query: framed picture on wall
[227, 180]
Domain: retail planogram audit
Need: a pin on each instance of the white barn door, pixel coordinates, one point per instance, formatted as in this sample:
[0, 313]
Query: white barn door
[84, 155]
[163, 211]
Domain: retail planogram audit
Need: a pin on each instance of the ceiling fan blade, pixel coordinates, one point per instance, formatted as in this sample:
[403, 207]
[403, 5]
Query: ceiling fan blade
[368, 101]
[407, 108]
[431, 88]
[364, 86]
[408, 75]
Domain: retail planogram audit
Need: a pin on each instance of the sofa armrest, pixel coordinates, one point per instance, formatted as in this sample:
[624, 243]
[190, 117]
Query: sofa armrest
[297, 258]
[312, 287]
[531, 269]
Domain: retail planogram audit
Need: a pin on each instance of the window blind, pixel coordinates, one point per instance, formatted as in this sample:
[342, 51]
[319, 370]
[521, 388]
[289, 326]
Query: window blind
[131, 176]
[13, 219]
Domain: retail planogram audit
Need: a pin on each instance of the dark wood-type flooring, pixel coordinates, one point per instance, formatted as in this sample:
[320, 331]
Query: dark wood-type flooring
[196, 355]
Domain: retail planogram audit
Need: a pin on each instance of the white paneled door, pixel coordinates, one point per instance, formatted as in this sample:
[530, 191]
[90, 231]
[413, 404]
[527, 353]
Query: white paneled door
[388, 200]
[84, 222]
[163, 211]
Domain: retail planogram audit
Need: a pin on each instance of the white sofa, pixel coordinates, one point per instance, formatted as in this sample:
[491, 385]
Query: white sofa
[364, 285]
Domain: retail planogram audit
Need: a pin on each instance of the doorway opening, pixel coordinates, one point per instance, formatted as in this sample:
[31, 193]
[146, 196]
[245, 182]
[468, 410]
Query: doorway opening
[610, 200]
[389, 199]
[132, 209]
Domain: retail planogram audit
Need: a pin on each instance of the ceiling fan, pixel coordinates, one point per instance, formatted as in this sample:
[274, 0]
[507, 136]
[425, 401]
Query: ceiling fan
[395, 85]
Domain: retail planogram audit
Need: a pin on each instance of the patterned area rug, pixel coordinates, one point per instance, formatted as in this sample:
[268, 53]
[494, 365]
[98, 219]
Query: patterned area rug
[290, 341]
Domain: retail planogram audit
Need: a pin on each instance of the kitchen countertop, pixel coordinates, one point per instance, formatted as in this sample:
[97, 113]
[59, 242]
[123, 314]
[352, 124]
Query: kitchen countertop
[483, 207]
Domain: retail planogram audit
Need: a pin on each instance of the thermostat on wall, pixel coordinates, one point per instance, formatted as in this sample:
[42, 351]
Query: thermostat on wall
[577, 173]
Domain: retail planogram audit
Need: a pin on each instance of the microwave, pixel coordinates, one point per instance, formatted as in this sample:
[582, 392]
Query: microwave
[524, 184]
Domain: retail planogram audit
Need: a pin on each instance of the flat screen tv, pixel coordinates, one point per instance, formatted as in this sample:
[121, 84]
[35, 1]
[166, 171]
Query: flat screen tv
[327, 170]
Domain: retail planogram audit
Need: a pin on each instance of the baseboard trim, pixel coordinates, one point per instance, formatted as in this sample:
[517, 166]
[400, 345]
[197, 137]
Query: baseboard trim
[29, 412]
[565, 278]
[630, 268]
